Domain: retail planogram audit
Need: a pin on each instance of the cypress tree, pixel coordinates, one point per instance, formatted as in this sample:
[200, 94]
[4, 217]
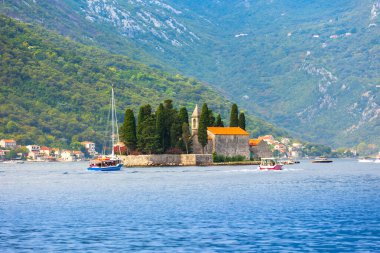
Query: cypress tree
[144, 113]
[151, 143]
[186, 137]
[128, 130]
[211, 118]
[202, 129]
[242, 120]
[169, 113]
[234, 120]
[175, 133]
[183, 115]
[219, 122]
[160, 124]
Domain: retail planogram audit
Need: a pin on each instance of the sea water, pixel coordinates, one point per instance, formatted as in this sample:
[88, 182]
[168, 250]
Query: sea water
[305, 207]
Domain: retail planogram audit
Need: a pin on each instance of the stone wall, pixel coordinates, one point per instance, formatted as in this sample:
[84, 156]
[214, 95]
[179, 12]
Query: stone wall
[231, 145]
[166, 160]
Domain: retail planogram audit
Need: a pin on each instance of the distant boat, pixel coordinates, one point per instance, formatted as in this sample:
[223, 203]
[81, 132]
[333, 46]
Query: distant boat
[14, 161]
[365, 160]
[321, 159]
[110, 162]
[270, 164]
[289, 161]
[377, 160]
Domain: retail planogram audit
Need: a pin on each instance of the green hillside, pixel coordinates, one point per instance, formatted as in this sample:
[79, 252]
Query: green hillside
[54, 91]
[309, 66]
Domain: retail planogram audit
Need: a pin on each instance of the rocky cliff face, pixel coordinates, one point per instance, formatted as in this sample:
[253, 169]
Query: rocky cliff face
[139, 19]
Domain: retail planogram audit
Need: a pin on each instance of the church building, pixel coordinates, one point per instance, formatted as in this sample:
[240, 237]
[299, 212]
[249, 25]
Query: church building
[227, 141]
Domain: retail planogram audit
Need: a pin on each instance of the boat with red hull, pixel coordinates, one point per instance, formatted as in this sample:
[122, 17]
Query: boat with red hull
[270, 164]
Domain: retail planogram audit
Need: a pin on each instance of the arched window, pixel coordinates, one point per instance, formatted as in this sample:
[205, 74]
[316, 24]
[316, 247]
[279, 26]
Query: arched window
[194, 123]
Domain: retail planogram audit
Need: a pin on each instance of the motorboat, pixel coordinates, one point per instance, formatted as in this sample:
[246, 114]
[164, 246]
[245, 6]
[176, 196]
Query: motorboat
[365, 160]
[321, 159]
[270, 164]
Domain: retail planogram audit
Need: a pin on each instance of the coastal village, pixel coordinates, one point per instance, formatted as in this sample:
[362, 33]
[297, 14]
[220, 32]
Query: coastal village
[256, 148]
[225, 141]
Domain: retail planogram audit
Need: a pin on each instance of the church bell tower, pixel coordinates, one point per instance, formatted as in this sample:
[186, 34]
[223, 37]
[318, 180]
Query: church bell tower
[195, 121]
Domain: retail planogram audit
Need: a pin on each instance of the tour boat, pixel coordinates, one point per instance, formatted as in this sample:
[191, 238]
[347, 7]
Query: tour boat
[270, 164]
[321, 159]
[106, 163]
[110, 162]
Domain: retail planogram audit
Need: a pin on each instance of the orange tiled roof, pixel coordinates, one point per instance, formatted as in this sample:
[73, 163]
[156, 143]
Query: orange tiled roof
[9, 140]
[227, 131]
[255, 142]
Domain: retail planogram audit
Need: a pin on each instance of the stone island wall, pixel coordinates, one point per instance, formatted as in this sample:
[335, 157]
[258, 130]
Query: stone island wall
[166, 160]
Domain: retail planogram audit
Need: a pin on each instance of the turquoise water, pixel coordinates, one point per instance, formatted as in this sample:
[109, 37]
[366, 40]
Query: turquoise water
[307, 207]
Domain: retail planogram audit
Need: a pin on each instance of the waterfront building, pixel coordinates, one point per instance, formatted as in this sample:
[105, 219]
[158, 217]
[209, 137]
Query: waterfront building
[46, 150]
[90, 146]
[8, 143]
[78, 154]
[259, 149]
[68, 156]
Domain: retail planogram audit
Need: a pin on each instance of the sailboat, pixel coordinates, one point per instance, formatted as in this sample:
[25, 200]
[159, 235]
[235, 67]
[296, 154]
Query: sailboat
[109, 162]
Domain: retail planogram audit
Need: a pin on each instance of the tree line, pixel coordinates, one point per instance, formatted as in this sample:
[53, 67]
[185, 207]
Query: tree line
[167, 129]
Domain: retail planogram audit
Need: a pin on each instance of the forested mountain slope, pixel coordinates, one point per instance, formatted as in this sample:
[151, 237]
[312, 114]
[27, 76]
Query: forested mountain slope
[309, 66]
[54, 91]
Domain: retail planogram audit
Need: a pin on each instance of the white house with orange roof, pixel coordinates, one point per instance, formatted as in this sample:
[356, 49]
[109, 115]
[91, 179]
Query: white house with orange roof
[90, 146]
[68, 156]
[46, 150]
[8, 143]
[35, 153]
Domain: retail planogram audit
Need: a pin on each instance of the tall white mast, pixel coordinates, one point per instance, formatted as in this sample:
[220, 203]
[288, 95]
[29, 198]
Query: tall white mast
[113, 122]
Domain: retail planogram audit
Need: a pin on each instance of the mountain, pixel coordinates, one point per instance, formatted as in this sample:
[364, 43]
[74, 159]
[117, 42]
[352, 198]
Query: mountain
[55, 91]
[308, 66]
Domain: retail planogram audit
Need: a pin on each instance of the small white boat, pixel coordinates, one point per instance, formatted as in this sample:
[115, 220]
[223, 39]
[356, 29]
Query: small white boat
[14, 161]
[321, 159]
[377, 160]
[365, 160]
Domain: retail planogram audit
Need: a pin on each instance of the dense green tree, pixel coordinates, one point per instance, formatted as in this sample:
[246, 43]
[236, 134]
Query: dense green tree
[211, 118]
[175, 133]
[128, 131]
[202, 128]
[11, 154]
[242, 120]
[169, 114]
[219, 122]
[161, 126]
[234, 120]
[76, 145]
[145, 112]
[186, 137]
[183, 115]
[151, 143]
